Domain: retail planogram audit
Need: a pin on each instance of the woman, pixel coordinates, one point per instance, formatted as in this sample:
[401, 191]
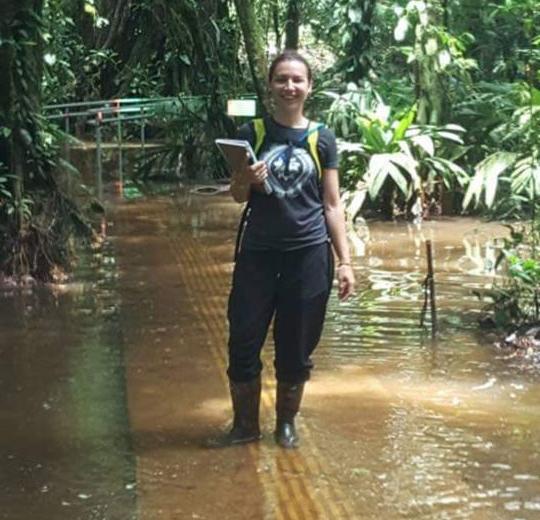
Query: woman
[284, 266]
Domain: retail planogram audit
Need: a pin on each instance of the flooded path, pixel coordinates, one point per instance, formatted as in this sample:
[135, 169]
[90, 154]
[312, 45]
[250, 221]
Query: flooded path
[110, 391]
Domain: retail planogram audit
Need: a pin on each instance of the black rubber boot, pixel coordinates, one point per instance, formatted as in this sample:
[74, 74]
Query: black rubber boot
[246, 398]
[288, 401]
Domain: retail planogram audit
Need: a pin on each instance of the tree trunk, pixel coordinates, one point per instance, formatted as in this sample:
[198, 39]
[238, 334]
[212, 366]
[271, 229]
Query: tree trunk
[130, 46]
[446, 14]
[83, 21]
[20, 93]
[253, 41]
[208, 51]
[36, 220]
[276, 23]
[113, 35]
[292, 24]
[360, 21]
[430, 82]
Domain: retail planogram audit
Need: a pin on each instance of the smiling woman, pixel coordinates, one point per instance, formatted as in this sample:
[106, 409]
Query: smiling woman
[284, 264]
[290, 83]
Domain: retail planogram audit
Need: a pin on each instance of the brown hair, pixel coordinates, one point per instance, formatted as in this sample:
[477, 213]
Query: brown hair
[289, 55]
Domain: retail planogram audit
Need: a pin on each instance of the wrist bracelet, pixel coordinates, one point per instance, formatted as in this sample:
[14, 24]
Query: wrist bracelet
[343, 264]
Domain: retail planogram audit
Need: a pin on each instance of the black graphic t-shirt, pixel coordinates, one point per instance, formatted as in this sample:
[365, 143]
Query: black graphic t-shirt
[292, 216]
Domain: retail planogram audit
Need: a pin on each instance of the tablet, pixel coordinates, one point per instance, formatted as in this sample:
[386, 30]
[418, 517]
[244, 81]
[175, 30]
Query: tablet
[234, 151]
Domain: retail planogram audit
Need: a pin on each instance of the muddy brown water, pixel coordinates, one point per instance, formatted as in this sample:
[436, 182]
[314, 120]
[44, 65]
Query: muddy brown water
[110, 385]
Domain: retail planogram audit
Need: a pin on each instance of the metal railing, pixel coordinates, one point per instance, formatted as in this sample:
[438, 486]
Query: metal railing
[117, 111]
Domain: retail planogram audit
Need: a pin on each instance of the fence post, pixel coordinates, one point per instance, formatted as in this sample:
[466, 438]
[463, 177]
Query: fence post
[142, 129]
[431, 288]
[99, 166]
[120, 152]
[67, 150]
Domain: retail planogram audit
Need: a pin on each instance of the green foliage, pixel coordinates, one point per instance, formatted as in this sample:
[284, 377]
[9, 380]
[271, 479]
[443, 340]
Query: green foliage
[71, 67]
[435, 55]
[517, 159]
[144, 81]
[354, 19]
[515, 298]
[389, 150]
[37, 221]
[185, 134]
[430, 43]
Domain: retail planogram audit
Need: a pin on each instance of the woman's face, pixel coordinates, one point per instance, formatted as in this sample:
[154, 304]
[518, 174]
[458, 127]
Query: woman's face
[290, 85]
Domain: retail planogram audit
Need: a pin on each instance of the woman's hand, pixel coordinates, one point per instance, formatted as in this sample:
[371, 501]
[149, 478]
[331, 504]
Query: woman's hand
[255, 173]
[346, 281]
[250, 176]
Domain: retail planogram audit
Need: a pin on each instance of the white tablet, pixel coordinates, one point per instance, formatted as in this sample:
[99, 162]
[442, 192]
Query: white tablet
[234, 151]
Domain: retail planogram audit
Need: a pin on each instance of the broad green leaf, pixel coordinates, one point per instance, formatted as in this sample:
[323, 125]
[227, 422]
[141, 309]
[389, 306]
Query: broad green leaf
[405, 148]
[403, 125]
[399, 179]
[535, 95]
[425, 142]
[406, 162]
[412, 131]
[525, 177]
[450, 136]
[474, 190]
[184, 58]
[348, 146]
[454, 127]
[356, 200]
[491, 182]
[431, 46]
[445, 59]
[487, 173]
[400, 32]
[355, 14]
[411, 58]
[328, 93]
[374, 137]
[456, 169]
[377, 172]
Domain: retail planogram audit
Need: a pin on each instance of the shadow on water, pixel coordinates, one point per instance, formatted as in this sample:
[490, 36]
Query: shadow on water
[65, 441]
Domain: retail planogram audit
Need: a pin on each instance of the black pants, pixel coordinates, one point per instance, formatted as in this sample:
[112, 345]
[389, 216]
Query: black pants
[291, 286]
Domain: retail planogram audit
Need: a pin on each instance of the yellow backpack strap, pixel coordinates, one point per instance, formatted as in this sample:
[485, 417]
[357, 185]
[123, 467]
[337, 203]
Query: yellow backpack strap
[313, 139]
[260, 132]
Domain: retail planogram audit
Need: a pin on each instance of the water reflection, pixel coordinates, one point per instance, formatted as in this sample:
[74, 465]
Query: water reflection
[65, 447]
[421, 429]
[395, 425]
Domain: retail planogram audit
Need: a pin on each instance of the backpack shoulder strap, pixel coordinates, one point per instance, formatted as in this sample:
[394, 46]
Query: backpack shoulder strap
[313, 141]
[260, 132]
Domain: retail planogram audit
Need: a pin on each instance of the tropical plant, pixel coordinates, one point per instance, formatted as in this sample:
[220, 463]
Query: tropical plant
[38, 221]
[435, 54]
[516, 163]
[515, 299]
[386, 151]
[185, 135]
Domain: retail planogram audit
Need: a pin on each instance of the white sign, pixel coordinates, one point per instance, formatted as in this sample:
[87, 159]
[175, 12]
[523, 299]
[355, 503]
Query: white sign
[241, 107]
